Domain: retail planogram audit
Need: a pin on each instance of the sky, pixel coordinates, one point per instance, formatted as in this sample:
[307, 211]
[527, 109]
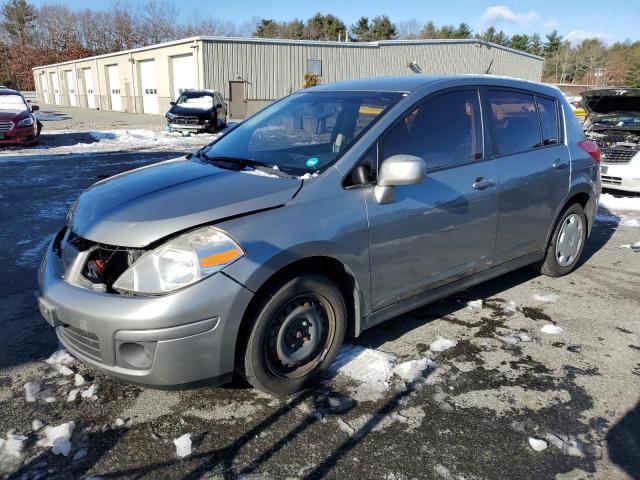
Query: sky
[610, 20]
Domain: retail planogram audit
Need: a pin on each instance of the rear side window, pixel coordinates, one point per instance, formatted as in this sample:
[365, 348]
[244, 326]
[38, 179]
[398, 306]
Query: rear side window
[515, 121]
[445, 131]
[548, 111]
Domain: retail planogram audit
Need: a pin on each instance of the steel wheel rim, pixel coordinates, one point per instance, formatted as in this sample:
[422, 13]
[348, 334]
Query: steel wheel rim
[292, 348]
[569, 241]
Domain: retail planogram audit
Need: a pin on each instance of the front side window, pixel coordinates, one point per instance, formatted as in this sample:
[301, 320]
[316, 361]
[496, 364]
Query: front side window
[445, 131]
[515, 121]
[548, 111]
[306, 131]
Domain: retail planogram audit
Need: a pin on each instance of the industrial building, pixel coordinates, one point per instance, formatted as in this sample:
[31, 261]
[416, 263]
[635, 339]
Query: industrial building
[251, 72]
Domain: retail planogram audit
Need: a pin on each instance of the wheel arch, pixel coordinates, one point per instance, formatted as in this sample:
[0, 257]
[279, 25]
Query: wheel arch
[327, 266]
[586, 199]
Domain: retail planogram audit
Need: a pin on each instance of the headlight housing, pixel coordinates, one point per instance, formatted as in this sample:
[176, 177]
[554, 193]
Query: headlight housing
[25, 122]
[170, 116]
[180, 262]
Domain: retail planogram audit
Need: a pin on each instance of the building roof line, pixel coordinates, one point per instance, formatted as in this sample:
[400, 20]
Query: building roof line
[282, 41]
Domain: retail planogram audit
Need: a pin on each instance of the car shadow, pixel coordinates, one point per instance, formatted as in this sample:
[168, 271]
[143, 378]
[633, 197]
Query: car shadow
[623, 443]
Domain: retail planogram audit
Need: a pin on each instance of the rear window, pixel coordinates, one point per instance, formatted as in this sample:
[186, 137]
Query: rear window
[548, 111]
[515, 121]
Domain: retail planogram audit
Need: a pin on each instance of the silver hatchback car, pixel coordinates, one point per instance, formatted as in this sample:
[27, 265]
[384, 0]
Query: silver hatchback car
[328, 212]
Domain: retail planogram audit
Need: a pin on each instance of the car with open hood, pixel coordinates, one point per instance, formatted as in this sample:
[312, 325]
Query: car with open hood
[197, 111]
[328, 212]
[614, 124]
[18, 124]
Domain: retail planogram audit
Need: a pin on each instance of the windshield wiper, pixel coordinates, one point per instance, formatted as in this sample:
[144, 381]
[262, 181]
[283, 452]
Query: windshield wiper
[246, 162]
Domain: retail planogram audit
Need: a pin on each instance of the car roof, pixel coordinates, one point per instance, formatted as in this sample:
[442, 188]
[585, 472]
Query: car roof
[8, 91]
[410, 83]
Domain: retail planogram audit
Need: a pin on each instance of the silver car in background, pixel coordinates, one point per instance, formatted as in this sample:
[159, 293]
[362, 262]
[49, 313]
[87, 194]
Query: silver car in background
[328, 212]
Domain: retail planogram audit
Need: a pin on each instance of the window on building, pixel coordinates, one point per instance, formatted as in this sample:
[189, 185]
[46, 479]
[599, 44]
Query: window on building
[515, 121]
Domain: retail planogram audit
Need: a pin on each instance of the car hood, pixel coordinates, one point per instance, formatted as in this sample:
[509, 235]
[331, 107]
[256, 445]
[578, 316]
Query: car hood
[609, 101]
[190, 112]
[13, 115]
[137, 208]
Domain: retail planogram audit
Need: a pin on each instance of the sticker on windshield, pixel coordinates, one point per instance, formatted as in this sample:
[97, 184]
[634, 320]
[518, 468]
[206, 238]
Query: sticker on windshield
[312, 162]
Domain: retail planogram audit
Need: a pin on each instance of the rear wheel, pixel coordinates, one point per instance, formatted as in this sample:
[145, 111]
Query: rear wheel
[298, 329]
[567, 243]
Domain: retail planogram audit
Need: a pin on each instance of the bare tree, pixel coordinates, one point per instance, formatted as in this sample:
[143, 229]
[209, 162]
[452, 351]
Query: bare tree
[409, 29]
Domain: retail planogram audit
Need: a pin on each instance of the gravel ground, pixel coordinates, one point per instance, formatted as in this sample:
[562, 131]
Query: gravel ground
[57, 117]
[474, 410]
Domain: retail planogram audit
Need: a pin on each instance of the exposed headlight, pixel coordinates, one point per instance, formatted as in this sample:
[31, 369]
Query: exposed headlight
[25, 122]
[180, 262]
[170, 116]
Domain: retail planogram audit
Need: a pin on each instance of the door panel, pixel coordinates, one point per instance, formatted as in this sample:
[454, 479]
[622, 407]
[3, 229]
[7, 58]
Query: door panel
[237, 103]
[45, 88]
[182, 74]
[113, 74]
[71, 88]
[88, 86]
[56, 88]
[149, 87]
[445, 227]
[434, 233]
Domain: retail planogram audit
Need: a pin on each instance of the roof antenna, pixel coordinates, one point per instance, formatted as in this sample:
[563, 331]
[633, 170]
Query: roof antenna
[489, 67]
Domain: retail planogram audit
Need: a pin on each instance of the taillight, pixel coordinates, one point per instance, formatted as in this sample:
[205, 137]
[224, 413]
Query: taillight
[591, 148]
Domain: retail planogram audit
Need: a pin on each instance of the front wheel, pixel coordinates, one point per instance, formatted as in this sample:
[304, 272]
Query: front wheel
[298, 329]
[567, 243]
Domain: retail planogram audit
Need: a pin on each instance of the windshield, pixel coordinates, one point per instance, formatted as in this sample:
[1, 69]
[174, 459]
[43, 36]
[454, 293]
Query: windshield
[199, 100]
[305, 132]
[13, 102]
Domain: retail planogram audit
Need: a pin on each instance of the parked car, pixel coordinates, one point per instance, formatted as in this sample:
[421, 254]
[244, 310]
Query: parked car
[18, 124]
[325, 214]
[614, 124]
[197, 111]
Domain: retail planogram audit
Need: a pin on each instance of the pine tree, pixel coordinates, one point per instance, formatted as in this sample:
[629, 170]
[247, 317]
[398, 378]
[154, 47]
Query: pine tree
[362, 30]
[553, 43]
[382, 28]
[18, 20]
[535, 46]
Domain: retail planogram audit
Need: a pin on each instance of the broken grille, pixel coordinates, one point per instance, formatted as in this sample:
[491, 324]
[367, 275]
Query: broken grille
[617, 155]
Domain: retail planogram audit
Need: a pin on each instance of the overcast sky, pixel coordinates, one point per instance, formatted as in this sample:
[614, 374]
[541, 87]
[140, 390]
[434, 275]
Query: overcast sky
[611, 20]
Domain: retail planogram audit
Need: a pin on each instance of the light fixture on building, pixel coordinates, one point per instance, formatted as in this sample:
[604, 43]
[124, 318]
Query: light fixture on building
[131, 60]
[415, 68]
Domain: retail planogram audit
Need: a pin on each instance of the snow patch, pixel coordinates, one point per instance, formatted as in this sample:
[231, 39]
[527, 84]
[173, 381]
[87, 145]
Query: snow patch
[365, 365]
[59, 438]
[183, 445]
[546, 297]
[537, 444]
[412, 370]
[441, 344]
[78, 380]
[90, 393]
[474, 304]
[551, 329]
[620, 204]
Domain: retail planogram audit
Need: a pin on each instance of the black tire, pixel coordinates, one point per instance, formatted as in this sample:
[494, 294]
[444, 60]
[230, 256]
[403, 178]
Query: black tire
[551, 265]
[310, 300]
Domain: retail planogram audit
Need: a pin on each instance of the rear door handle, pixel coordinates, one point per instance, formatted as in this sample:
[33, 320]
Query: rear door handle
[482, 183]
[559, 164]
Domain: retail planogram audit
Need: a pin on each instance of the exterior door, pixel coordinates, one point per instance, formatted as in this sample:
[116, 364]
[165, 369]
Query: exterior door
[533, 165]
[44, 87]
[55, 84]
[182, 74]
[71, 88]
[88, 87]
[113, 74]
[443, 228]
[149, 86]
[237, 100]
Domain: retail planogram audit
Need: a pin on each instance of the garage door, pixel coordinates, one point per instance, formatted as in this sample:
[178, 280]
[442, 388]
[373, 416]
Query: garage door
[56, 88]
[149, 86]
[88, 87]
[44, 87]
[182, 74]
[113, 73]
[71, 88]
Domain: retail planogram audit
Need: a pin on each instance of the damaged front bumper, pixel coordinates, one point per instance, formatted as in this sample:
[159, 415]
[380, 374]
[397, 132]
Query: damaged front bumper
[166, 340]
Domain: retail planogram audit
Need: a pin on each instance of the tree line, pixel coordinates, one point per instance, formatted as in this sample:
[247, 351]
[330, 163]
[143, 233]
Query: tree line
[31, 36]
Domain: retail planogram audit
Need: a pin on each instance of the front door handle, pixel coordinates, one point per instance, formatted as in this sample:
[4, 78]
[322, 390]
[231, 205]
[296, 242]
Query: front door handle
[482, 183]
[559, 164]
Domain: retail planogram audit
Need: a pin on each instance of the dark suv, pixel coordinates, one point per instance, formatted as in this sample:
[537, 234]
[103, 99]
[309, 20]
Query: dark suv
[197, 111]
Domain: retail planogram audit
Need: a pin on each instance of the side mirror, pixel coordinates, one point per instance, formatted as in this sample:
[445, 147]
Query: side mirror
[34, 108]
[398, 170]
[172, 103]
[218, 105]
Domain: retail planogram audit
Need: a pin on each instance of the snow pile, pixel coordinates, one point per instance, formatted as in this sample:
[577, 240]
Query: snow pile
[13, 445]
[78, 380]
[413, 370]
[365, 365]
[510, 307]
[620, 204]
[474, 304]
[632, 246]
[551, 329]
[59, 438]
[60, 361]
[620, 220]
[546, 297]
[537, 444]
[441, 344]
[90, 393]
[183, 445]
[33, 391]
